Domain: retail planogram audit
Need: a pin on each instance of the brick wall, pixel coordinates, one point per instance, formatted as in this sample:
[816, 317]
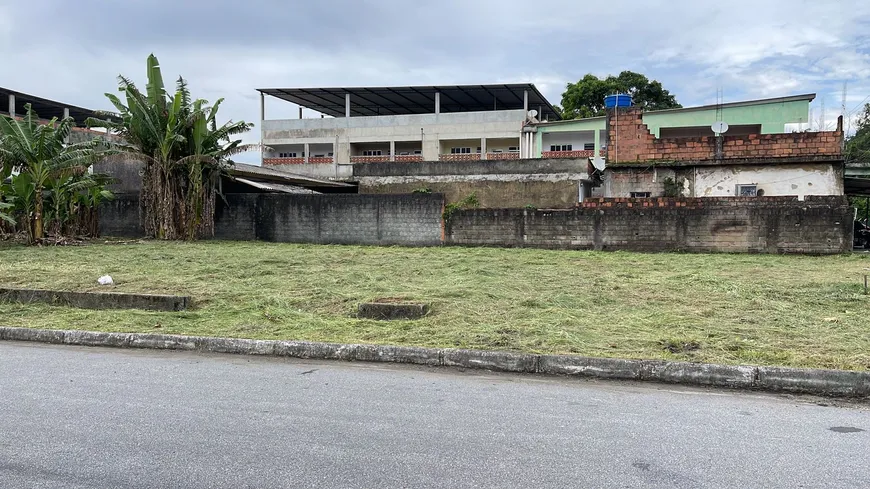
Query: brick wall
[630, 141]
[413, 220]
[818, 225]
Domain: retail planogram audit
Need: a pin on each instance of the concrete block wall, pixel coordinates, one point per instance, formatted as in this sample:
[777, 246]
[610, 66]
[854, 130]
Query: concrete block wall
[496, 183]
[412, 220]
[631, 141]
[818, 225]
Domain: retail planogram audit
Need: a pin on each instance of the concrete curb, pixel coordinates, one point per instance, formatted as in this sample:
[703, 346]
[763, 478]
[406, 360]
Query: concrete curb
[832, 383]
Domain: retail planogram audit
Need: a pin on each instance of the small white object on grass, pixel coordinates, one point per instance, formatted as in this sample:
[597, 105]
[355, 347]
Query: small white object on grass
[106, 280]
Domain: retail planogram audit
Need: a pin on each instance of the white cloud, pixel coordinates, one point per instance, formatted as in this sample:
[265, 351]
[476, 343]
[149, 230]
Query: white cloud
[748, 48]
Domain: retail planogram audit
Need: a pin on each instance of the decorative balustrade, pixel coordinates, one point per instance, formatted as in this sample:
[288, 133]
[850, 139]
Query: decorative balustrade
[568, 154]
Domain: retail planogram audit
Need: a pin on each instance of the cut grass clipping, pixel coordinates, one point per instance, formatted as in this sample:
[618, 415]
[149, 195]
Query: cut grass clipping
[796, 311]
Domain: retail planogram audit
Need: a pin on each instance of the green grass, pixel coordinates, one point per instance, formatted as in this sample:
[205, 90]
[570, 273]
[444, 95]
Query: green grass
[751, 309]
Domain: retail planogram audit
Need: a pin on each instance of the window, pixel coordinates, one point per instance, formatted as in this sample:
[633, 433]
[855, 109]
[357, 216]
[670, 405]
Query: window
[589, 147]
[286, 155]
[372, 152]
[457, 151]
[513, 149]
[496, 151]
[478, 150]
[418, 151]
[562, 147]
[319, 156]
[640, 195]
[747, 190]
[330, 155]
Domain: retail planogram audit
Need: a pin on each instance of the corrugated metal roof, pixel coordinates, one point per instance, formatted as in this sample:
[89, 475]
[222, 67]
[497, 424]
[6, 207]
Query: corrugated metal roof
[374, 101]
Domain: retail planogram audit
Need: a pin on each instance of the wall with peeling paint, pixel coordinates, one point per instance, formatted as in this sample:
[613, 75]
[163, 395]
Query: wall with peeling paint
[799, 179]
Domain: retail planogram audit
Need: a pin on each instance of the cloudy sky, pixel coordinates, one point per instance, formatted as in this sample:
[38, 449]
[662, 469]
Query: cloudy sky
[73, 50]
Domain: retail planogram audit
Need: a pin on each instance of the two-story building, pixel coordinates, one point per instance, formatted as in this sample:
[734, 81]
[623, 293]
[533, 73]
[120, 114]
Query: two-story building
[401, 124]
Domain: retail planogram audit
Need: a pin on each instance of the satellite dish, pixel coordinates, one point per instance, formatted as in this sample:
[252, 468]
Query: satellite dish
[599, 163]
[719, 127]
[533, 113]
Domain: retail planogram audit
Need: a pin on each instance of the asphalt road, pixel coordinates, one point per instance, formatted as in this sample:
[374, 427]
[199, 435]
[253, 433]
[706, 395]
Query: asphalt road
[75, 417]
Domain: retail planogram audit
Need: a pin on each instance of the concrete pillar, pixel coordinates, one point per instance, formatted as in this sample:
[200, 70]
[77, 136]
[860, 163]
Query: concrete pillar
[307, 150]
[262, 106]
[597, 142]
[525, 101]
[300, 111]
[347, 105]
[482, 148]
[437, 102]
[11, 105]
[392, 151]
[65, 115]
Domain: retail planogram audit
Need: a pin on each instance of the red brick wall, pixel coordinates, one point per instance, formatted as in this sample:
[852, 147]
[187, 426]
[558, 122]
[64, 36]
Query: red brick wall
[631, 141]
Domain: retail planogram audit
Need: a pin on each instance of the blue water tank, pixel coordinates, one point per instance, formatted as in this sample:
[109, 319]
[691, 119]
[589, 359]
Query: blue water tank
[618, 100]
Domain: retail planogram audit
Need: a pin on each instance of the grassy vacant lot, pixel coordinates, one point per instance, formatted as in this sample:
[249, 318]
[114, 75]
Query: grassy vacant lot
[755, 309]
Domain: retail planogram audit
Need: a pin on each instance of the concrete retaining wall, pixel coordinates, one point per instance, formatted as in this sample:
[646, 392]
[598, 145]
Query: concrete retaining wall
[413, 220]
[818, 225]
[497, 183]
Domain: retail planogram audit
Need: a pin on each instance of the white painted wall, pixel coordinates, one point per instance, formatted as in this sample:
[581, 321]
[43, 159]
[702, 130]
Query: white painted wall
[577, 139]
[800, 180]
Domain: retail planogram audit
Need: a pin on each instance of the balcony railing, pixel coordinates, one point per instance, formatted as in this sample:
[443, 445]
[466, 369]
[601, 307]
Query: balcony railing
[511, 155]
[461, 157]
[568, 154]
[370, 159]
[298, 160]
[409, 158]
[283, 161]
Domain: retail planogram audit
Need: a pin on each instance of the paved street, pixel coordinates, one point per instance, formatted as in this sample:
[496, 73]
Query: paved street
[97, 418]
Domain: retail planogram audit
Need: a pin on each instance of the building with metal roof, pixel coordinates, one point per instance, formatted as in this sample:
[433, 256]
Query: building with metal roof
[13, 103]
[403, 123]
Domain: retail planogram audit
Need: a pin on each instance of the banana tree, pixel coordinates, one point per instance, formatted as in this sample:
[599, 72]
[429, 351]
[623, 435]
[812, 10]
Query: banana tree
[39, 152]
[182, 148]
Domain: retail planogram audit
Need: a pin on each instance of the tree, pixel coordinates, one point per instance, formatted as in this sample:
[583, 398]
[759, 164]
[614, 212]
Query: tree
[858, 145]
[39, 153]
[183, 150]
[586, 97]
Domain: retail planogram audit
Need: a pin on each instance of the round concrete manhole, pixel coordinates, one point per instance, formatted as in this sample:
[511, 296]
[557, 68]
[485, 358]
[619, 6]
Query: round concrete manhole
[388, 308]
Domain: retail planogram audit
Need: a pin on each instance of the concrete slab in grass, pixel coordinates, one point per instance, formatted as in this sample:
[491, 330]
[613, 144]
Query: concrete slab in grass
[386, 311]
[97, 300]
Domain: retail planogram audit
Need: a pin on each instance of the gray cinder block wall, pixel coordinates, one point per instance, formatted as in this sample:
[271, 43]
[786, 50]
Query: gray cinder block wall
[412, 219]
[817, 225]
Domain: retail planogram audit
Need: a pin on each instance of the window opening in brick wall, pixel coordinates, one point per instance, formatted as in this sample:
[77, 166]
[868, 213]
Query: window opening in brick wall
[562, 147]
[457, 151]
[514, 149]
[747, 190]
[286, 155]
[372, 152]
[641, 195]
[589, 147]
